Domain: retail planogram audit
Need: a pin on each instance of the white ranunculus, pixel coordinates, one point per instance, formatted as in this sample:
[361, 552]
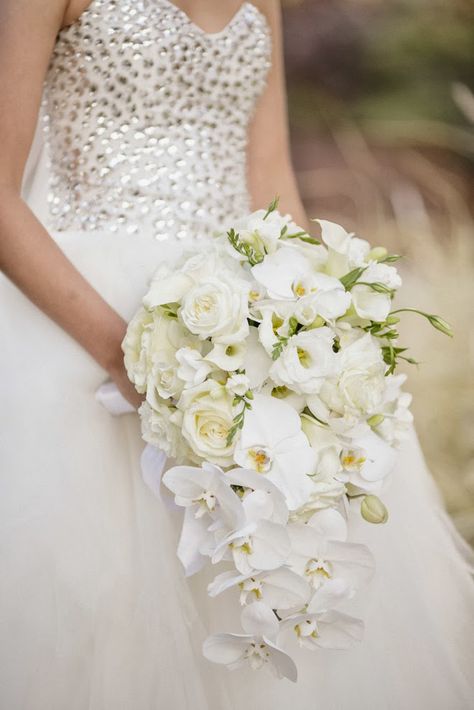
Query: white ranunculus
[208, 415]
[306, 361]
[273, 444]
[383, 274]
[257, 647]
[359, 387]
[397, 418]
[161, 428]
[217, 308]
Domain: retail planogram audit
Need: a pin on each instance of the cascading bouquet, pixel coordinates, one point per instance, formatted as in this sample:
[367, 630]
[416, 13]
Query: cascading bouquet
[267, 358]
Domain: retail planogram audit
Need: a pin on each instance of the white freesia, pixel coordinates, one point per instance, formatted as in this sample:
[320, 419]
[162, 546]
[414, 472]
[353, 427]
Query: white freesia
[320, 295]
[345, 251]
[280, 271]
[273, 444]
[238, 384]
[257, 647]
[261, 230]
[306, 361]
[192, 367]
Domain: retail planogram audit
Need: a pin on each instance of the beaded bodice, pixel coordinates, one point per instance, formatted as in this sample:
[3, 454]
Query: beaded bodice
[146, 118]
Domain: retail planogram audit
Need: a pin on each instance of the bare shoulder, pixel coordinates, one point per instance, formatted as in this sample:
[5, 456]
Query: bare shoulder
[270, 8]
[73, 10]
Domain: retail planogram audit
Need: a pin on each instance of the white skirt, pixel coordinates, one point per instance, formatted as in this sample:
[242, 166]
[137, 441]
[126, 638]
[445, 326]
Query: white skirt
[95, 612]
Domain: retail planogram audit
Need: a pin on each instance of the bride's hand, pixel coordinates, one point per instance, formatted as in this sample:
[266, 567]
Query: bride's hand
[125, 387]
[114, 364]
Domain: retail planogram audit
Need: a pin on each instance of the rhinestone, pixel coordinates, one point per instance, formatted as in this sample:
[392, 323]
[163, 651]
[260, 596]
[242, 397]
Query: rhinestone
[139, 119]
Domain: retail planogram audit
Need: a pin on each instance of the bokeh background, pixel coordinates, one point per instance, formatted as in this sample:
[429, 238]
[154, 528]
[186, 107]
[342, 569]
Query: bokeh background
[382, 122]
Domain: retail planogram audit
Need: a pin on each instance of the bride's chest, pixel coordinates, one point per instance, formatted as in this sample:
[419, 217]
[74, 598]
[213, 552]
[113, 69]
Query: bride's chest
[146, 56]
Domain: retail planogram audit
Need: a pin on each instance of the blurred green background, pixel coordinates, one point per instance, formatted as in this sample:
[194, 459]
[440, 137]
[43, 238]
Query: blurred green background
[382, 121]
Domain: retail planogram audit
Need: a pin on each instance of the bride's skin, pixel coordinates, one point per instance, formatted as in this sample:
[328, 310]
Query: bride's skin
[28, 254]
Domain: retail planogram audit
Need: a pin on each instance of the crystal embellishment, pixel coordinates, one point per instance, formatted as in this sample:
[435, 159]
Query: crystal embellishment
[146, 118]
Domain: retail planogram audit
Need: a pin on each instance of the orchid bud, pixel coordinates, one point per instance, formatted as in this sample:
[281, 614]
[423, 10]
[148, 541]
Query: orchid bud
[373, 510]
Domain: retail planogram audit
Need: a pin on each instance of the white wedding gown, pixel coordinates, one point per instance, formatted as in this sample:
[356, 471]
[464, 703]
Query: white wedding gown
[145, 131]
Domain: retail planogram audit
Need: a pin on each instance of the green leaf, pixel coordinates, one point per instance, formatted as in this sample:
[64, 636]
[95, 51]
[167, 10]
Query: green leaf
[390, 258]
[352, 277]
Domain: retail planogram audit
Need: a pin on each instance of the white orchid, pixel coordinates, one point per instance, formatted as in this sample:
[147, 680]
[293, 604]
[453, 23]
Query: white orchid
[331, 629]
[279, 589]
[333, 568]
[367, 463]
[273, 444]
[210, 505]
[259, 543]
[257, 647]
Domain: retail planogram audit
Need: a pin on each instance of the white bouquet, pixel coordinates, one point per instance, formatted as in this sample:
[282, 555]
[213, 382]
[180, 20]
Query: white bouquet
[267, 359]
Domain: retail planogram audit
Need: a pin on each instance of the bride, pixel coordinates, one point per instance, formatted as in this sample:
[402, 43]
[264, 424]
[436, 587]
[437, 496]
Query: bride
[157, 120]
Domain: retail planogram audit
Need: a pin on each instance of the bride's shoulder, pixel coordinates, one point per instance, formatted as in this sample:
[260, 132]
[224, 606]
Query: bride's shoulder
[73, 10]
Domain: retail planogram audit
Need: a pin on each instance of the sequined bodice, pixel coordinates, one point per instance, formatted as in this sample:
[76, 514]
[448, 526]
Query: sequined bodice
[146, 118]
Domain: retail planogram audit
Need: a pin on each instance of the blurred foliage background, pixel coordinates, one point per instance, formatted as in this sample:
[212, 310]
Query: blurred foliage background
[382, 118]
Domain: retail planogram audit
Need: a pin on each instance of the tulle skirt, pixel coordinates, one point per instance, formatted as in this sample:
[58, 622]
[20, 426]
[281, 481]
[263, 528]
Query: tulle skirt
[95, 612]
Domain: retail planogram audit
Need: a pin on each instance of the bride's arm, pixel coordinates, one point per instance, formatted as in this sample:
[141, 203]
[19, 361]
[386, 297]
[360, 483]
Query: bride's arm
[28, 255]
[270, 169]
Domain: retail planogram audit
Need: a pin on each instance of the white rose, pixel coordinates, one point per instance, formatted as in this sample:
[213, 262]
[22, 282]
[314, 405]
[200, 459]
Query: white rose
[217, 308]
[160, 428]
[135, 350]
[208, 415]
[163, 338]
[306, 361]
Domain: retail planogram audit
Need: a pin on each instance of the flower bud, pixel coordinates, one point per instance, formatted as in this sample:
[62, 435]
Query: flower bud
[392, 320]
[373, 510]
[317, 323]
[377, 253]
[375, 420]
